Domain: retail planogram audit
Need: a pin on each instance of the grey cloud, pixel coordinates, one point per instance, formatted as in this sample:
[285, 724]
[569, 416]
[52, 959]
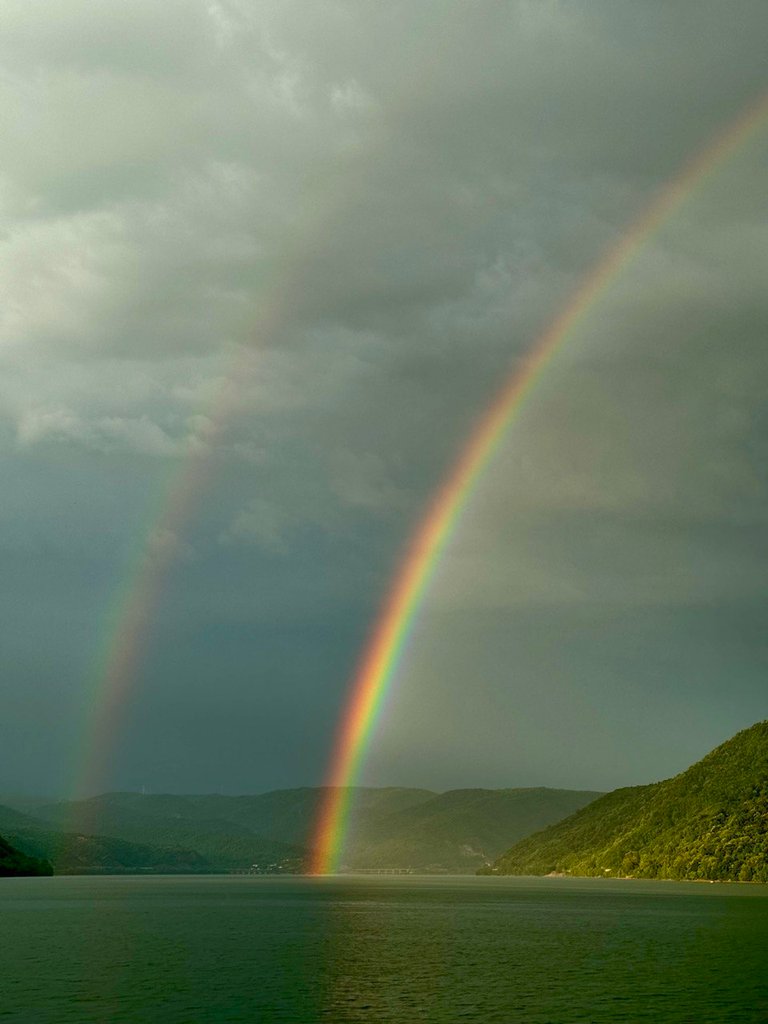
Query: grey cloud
[261, 522]
[106, 434]
[308, 242]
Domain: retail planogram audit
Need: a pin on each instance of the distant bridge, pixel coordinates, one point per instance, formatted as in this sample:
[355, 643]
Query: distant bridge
[275, 869]
[378, 871]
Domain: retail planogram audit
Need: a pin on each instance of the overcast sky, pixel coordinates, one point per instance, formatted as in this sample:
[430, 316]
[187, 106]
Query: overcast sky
[297, 246]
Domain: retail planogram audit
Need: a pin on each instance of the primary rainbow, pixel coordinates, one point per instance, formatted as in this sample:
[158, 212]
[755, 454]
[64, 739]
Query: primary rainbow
[397, 616]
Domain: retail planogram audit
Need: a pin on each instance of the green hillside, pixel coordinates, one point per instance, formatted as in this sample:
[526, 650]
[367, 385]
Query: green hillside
[165, 822]
[71, 853]
[391, 827]
[291, 814]
[459, 830]
[75, 852]
[230, 832]
[15, 862]
[710, 822]
[285, 815]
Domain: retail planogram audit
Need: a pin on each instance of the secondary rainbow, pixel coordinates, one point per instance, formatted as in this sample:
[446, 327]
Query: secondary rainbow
[396, 619]
[128, 618]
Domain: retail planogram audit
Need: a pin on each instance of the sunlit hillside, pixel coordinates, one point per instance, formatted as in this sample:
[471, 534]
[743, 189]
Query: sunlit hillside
[710, 822]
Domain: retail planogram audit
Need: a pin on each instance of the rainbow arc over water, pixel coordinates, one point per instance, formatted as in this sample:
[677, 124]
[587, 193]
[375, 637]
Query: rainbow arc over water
[397, 616]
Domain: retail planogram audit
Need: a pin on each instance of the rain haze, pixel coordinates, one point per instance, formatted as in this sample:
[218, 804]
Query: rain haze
[264, 266]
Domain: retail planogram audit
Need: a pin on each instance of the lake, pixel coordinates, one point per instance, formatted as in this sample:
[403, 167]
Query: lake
[168, 950]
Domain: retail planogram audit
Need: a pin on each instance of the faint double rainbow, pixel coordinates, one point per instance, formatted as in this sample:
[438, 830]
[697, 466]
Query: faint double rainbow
[128, 620]
[384, 650]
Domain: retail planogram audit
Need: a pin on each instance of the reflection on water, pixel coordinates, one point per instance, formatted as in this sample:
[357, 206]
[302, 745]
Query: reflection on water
[175, 950]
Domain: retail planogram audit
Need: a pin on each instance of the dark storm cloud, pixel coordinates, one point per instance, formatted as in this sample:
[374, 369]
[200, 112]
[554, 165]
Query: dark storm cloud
[370, 211]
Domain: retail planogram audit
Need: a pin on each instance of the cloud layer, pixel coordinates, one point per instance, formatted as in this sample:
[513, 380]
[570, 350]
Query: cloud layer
[303, 243]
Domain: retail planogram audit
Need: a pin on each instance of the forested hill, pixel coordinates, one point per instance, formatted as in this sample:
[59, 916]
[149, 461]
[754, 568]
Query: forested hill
[230, 832]
[457, 831]
[73, 852]
[14, 862]
[710, 822]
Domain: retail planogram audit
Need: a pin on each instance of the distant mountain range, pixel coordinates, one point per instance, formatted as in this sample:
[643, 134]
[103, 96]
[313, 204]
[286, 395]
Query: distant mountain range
[710, 822]
[92, 836]
[74, 852]
[457, 831]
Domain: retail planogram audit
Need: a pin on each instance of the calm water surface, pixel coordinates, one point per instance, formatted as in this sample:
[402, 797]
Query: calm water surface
[300, 950]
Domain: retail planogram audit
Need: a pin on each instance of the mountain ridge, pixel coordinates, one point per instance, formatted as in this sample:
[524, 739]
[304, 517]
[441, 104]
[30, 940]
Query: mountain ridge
[460, 829]
[456, 831]
[710, 822]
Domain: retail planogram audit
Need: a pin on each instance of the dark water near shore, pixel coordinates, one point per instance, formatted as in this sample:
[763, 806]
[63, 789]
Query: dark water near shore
[171, 950]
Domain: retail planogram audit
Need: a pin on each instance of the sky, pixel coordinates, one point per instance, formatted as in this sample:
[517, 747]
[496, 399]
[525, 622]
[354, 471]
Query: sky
[264, 266]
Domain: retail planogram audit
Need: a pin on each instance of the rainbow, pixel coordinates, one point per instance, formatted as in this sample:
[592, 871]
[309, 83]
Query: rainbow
[397, 616]
[129, 616]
